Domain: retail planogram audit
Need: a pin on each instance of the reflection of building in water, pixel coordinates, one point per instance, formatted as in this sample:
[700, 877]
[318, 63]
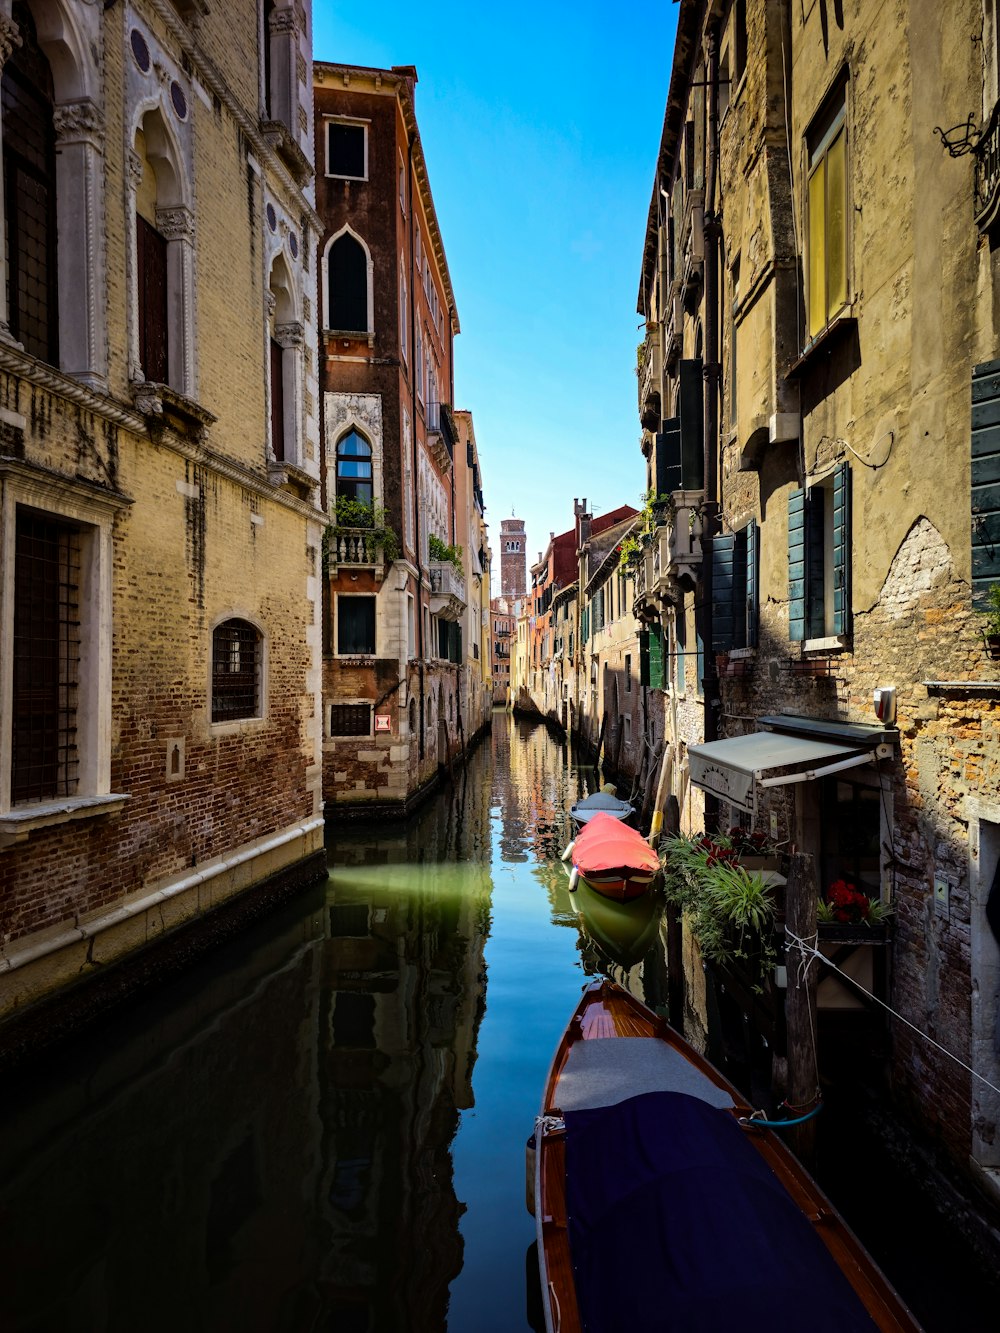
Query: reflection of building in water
[404, 992]
[163, 1151]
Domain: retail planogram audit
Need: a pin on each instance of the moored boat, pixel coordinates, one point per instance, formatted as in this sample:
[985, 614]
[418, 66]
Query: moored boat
[660, 1206]
[600, 802]
[612, 858]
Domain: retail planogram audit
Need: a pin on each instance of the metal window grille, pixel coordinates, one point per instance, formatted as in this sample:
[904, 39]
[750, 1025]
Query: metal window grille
[235, 671]
[47, 559]
[350, 719]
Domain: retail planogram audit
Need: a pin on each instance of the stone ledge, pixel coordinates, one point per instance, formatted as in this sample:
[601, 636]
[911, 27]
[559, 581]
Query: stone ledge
[18, 824]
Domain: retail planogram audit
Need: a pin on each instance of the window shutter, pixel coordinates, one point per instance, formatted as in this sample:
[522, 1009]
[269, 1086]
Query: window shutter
[797, 566]
[151, 261]
[723, 552]
[985, 479]
[644, 637]
[584, 625]
[656, 658]
[277, 401]
[668, 457]
[692, 425]
[752, 576]
[842, 550]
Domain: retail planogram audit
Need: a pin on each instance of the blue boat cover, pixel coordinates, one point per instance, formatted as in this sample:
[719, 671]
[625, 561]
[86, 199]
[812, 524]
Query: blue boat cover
[677, 1223]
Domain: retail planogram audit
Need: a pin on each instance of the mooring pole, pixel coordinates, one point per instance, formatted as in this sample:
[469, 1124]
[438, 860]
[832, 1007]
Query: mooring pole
[800, 1003]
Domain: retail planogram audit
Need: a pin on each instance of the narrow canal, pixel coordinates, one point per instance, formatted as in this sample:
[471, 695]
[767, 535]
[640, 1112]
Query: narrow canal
[322, 1127]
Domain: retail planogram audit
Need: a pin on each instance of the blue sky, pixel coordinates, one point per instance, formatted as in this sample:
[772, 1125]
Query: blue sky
[540, 126]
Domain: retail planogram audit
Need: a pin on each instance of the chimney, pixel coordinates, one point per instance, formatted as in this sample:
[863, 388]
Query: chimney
[582, 522]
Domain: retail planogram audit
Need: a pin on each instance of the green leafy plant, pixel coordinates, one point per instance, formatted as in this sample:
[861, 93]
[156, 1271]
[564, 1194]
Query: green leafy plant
[629, 552]
[350, 516]
[990, 611]
[440, 550]
[729, 910]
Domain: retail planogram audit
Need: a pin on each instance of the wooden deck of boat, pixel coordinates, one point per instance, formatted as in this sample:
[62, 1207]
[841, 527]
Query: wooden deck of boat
[607, 1010]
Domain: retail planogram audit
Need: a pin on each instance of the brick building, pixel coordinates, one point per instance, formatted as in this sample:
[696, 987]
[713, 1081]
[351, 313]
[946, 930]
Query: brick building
[833, 437]
[394, 680]
[513, 558]
[159, 472]
[503, 621]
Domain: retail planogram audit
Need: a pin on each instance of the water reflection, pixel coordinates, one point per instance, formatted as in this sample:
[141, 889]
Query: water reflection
[322, 1126]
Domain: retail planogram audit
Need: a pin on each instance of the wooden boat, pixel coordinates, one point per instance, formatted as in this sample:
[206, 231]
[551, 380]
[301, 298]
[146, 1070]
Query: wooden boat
[600, 802]
[658, 1206]
[613, 859]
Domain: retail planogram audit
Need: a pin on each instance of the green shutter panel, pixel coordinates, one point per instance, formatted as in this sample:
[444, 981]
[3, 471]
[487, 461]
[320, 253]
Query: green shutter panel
[723, 556]
[668, 458]
[842, 550]
[691, 406]
[985, 479]
[584, 625]
[797, 566]
[752, 575]
[656, 658]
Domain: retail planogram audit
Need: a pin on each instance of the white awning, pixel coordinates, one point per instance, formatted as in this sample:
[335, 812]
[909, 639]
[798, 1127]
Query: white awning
[732, 769]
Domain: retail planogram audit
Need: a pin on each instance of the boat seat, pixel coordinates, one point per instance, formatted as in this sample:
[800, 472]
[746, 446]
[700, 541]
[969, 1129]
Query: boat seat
[603, 1071]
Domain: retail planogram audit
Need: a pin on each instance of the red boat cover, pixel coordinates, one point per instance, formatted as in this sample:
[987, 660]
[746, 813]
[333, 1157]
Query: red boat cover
[605, 843]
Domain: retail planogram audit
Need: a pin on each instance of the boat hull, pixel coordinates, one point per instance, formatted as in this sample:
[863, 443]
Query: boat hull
[621, 886]
[653, 1086]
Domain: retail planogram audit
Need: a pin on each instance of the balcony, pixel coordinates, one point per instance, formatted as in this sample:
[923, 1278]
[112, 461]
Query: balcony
[440, 439]
[648, 370]
[448, 599]
[355, 547]
[692, 247]
[987, 155]
[676, 553]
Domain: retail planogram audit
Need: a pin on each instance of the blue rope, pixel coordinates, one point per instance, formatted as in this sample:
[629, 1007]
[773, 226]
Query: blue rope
[752, 1122]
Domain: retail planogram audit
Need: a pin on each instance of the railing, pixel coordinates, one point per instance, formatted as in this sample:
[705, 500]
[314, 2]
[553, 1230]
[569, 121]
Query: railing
[987, 154]
[448, 598]
[355, 546]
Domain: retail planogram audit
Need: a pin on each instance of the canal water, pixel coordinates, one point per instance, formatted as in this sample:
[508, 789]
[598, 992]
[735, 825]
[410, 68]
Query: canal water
[322, 1126]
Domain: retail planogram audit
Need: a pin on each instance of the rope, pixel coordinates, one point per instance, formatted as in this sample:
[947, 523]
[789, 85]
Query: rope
[805, 947]
[757, 1121]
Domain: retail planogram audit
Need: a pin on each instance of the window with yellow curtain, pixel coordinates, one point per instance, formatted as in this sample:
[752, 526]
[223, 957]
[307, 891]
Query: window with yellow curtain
[827, 206]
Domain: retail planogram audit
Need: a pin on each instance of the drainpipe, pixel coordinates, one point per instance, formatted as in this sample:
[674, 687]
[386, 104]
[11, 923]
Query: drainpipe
[711, 371]
[416, 455]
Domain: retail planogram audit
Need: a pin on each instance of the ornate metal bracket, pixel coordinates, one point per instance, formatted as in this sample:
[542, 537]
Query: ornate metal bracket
[960, 139]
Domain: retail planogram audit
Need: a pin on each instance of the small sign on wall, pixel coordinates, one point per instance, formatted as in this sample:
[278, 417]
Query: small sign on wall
[383, 722]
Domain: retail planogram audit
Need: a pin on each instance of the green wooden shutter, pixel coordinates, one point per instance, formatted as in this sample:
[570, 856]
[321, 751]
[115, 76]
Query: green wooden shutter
[691, 405]
[752, 568]
[842, 550]
[584, 625]
[651, 658]
[985, 479]
[797, 566]
[656, 658]
[723, 557]
[668, 458]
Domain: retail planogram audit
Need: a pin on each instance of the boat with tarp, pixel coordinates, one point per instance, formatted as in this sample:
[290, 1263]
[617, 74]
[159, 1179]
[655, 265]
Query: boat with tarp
[661, 1204]
[615, 860]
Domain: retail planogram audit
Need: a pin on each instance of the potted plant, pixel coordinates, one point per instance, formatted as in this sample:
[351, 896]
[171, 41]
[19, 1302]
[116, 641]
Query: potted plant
[730, 910]
[990, 612]
[847, 912]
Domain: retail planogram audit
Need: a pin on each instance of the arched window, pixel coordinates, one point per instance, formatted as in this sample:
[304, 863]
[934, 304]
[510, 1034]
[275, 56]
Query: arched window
[348, 285]
[29, 167]
[285, 337]
[163, 328]
[354, 468]
[236, 671]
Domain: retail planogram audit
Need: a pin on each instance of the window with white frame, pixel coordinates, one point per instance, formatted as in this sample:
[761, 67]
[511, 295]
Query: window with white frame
[348, 293]
[347, 149]
[55, 644]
